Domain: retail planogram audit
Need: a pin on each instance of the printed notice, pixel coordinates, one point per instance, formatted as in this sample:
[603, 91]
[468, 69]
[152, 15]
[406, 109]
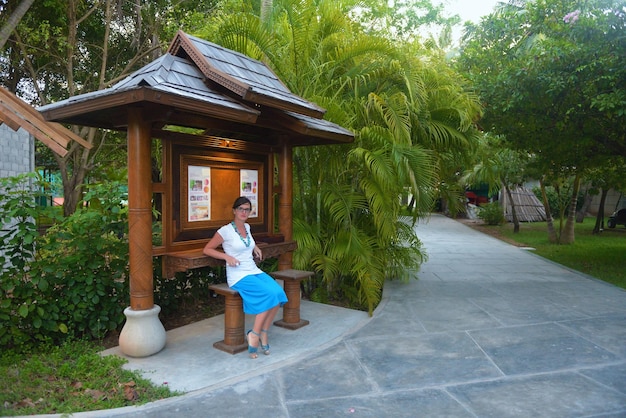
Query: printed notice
[249, 180]
[199, 193]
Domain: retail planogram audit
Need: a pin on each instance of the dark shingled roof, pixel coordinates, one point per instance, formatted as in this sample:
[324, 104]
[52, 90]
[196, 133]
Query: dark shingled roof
[250, 79]
[202, 85]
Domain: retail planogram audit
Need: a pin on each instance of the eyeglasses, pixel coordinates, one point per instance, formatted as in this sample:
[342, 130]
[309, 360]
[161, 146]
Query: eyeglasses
[244, 210]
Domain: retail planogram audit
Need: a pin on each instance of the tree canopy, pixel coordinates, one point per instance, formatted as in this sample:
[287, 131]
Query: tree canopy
[552, 75]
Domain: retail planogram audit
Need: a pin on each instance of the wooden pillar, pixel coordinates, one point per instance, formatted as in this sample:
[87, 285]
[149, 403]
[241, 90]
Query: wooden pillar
[285, 204]
[234, 320]
[139, 211]
[291, 310]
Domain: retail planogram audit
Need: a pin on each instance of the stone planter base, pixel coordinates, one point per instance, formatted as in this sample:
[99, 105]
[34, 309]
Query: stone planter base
[143, 333]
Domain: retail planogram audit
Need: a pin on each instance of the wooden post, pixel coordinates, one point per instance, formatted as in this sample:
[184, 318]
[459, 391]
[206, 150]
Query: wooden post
[234, 320]
[291, 278]
[285, 205]
[143, 334]
[291, 311]
[139, 211]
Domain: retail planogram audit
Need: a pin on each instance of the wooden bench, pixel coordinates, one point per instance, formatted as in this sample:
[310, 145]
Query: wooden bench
[234, 320]
[291, 311]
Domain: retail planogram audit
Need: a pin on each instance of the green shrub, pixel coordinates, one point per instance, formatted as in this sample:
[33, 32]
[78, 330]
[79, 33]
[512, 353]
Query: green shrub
[186, 288]
[491, 213]
[75, 283]
[23, 311]
[559, 198]
[85, 261]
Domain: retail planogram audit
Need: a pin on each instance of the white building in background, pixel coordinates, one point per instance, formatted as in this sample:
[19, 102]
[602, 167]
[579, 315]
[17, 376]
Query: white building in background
[17, 156]
[17, 152]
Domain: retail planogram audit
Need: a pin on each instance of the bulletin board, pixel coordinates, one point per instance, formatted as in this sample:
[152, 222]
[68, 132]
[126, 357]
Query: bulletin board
[207, 185]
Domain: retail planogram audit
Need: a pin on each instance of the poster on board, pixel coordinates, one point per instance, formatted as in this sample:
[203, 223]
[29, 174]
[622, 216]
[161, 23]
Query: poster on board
[249, 183]
[199, 193]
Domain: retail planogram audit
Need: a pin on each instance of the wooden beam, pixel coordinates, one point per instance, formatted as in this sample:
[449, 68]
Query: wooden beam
[29, 115]
[12, 120]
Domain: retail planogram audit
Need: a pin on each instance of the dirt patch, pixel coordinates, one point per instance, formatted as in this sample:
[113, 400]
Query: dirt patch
[494, 231]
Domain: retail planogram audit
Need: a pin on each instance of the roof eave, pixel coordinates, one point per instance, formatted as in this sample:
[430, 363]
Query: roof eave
[77, 111]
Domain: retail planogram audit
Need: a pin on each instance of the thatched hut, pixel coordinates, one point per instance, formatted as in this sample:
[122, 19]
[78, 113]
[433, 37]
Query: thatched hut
[527, 206]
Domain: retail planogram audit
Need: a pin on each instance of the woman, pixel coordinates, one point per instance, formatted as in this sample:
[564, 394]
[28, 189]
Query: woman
[261, 295]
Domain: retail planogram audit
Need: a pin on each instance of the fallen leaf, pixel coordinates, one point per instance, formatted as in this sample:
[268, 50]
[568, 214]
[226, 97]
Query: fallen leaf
[26, 402]
[130, 393]
[96, 394]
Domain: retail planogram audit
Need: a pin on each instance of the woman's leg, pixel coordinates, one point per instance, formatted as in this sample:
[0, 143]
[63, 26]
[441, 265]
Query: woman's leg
[264, 321]
[271, 314]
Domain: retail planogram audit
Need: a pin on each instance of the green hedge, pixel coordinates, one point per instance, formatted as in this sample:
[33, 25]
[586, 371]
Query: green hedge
[69, 282]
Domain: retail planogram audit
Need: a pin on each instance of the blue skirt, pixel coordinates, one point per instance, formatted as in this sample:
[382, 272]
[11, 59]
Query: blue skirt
[260, 293]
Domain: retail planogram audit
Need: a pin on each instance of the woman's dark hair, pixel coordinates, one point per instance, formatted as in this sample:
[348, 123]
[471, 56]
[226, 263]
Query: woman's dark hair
[241, 200]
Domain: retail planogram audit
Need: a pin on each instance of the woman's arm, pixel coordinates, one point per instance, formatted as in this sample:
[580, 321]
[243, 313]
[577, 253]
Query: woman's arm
[211, 250]
[257, 252]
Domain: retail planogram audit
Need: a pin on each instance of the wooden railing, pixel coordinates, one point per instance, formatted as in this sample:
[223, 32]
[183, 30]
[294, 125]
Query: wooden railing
[191, 259]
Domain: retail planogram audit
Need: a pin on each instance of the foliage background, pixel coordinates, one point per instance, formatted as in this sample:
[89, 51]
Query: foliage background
[415, 117]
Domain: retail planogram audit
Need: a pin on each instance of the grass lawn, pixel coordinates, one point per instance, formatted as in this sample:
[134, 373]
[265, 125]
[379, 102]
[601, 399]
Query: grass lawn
[70, 378]
[602, 256]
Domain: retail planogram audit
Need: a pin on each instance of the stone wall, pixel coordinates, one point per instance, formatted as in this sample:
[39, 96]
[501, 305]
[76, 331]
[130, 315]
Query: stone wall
[17, 155]
[17, 152]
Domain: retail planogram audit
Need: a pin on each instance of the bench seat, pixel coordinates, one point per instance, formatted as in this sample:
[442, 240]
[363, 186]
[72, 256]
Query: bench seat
[234, 318]
[291, 311]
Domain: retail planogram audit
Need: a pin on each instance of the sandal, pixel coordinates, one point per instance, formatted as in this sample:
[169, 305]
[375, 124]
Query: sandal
[252, 350]
[264, 348]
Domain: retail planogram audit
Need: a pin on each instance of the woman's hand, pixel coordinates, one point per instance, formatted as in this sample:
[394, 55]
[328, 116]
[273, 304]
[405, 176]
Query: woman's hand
[231, 261]
[258, 253]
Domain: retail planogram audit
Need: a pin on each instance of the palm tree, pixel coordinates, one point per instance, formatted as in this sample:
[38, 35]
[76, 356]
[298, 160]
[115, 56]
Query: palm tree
[347, 198]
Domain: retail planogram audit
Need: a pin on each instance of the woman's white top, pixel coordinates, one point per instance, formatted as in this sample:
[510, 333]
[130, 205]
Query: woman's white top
[235, 246]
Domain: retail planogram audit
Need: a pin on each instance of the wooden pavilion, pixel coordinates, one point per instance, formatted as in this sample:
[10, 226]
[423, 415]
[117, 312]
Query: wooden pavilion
[227, 127]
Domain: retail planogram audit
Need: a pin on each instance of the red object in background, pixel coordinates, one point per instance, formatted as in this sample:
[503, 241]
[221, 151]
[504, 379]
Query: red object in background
[471, 197]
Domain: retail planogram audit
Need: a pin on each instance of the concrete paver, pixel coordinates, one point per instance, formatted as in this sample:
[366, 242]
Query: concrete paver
[487, 330]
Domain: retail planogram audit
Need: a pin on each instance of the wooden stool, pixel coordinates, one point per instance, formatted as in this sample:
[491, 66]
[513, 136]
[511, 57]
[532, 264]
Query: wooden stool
[291, 311]
[234, 320]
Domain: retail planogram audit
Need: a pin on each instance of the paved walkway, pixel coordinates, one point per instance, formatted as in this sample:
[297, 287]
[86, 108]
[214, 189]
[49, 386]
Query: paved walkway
[488, 330]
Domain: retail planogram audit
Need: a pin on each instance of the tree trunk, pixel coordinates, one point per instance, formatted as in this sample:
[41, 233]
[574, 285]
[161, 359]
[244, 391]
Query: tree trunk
[513, 211]
[13, 21]
[549, 222]
[78, 162]
[411, 204]
[568, 235]
[580, 215]
[599, 226]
